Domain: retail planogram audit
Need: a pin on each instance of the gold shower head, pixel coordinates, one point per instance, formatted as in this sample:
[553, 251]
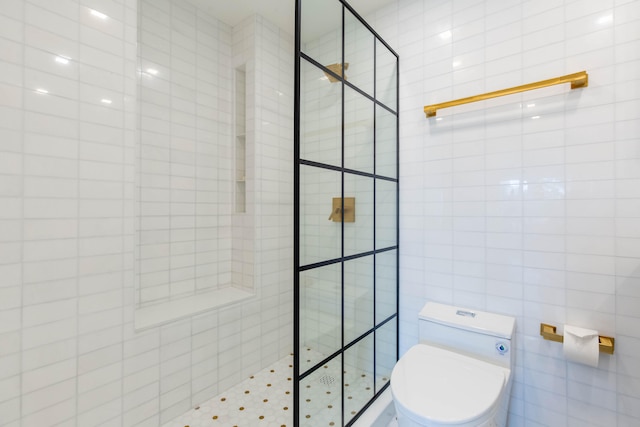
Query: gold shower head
[337, 69]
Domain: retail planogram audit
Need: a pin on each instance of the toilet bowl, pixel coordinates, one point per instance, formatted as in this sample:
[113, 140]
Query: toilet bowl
[460, 372]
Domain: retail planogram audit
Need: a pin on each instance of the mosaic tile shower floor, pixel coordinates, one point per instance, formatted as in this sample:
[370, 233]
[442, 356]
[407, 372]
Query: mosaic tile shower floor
[266, 399]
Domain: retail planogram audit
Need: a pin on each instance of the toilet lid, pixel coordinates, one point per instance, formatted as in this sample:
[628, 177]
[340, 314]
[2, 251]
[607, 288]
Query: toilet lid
[441, 386]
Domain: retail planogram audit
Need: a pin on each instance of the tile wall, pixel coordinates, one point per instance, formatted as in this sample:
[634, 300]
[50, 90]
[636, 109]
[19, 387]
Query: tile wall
[527, 205]
[185, 153]
[242, 147]
[69, 354]
[267, 324]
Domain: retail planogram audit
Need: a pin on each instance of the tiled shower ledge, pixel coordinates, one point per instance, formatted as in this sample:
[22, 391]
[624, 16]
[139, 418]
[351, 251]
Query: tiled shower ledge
[158, 314]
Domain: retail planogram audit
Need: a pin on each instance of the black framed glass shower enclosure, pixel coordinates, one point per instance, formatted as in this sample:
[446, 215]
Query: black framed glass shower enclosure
[345, 214]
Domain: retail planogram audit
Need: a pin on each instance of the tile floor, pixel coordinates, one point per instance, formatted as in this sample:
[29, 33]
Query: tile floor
[266, 399]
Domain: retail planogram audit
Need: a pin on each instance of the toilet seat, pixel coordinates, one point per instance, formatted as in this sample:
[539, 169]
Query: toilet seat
[460, 390]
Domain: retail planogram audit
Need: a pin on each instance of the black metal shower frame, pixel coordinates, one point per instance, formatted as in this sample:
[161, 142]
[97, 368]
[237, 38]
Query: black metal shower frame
[299, 56]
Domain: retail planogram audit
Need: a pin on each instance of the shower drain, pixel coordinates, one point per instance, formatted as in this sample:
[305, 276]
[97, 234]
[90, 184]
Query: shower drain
[327, 379]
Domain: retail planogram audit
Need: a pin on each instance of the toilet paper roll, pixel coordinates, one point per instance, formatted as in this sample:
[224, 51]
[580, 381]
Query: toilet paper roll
[581, 345]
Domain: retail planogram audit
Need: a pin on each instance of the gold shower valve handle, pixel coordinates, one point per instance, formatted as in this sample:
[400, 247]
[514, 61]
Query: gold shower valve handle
[346, 215]
[334, 213]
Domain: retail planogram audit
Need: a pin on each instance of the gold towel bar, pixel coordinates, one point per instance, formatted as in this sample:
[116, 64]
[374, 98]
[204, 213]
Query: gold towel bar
[577, 80]
[548, 332]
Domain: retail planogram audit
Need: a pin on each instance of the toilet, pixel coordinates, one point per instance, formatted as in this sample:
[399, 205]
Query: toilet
[460, 372]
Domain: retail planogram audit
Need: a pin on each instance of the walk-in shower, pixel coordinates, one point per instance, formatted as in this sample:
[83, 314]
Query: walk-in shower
[346, 210]
[216, 166]
[214, 194]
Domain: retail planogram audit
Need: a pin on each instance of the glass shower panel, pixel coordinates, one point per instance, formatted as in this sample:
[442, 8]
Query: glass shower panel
[386, 143]
[320, 396]
[320, 314]
[386, 76]
[320, 236]
[358, 131]
[386, 337]
[358, 235]
[321, 39]
[346, 182]
[320, 116]
[358, 377]
[358, 53]
[358, 297]
[386, 282]
[386, 213]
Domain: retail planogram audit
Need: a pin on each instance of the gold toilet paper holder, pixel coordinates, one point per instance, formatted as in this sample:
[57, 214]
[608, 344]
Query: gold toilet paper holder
[548, 332]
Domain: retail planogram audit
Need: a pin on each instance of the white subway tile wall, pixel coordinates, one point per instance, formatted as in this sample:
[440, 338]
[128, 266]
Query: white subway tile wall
[527, 205]
[69, 354]
[185, 153]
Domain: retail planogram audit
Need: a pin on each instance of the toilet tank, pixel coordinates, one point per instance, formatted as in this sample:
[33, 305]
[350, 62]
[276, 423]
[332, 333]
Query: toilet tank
[479, 334]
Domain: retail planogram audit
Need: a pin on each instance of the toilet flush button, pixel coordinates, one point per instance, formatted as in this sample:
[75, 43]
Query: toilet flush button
[503, 348]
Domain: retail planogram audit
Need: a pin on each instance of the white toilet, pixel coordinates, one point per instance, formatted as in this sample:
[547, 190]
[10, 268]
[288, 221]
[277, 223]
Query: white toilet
[460, 373]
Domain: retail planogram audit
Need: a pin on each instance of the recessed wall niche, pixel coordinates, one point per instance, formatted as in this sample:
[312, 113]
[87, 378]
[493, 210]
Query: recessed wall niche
[240, 124]
[192, 176]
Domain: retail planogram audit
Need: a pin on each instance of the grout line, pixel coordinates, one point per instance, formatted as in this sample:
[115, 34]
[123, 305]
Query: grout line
[79, 161]
[22, 228]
